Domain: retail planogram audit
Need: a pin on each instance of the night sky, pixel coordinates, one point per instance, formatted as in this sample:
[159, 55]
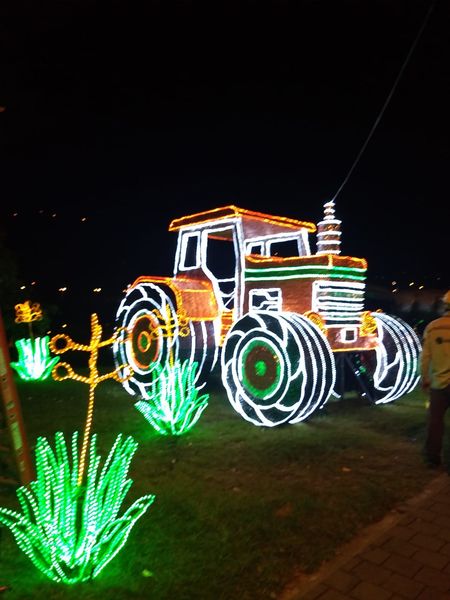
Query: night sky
[132, 114]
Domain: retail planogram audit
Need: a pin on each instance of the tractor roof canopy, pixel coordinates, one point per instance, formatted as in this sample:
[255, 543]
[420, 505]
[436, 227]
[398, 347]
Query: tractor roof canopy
[254, 224]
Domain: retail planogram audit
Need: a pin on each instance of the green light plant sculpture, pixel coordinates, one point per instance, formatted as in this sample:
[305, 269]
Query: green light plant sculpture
[69, 526]
[34, 361]
[70, 533]
[174, 406]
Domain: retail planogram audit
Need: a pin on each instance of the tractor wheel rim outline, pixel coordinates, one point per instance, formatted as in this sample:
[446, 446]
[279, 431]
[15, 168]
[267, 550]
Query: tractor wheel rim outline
[260, 369]
[261, 402]
[145, 327]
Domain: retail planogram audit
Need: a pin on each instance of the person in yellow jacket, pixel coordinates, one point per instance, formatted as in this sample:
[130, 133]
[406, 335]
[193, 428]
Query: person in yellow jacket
[435, 378]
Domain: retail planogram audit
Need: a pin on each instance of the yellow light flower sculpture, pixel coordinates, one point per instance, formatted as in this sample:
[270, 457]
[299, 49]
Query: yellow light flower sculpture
[62, 343]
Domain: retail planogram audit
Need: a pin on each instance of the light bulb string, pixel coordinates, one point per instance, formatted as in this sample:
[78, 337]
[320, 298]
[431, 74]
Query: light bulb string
[388, 99]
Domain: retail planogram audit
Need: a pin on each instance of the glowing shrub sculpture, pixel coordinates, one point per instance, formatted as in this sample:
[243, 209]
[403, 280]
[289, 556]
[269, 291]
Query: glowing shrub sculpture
[34, 362]
[70, 533]
[69, 526]
[174, 405]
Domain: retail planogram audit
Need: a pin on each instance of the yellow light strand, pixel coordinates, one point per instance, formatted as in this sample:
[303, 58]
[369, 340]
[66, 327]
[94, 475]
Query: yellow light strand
[226, 212]
[317, 320]
[92, 380]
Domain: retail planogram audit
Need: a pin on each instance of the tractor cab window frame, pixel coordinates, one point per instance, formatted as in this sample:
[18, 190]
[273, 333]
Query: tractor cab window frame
[255, 248]
[263, 246]
[281, 243]
[190, 257]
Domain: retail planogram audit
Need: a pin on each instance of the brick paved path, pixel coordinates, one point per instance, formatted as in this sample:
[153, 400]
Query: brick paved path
[407, 555]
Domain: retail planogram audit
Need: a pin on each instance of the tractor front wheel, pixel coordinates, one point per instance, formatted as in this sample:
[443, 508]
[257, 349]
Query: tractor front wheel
[276, 368]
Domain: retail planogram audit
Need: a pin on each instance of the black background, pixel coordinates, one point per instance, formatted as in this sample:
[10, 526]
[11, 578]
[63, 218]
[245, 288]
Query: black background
[132, 114]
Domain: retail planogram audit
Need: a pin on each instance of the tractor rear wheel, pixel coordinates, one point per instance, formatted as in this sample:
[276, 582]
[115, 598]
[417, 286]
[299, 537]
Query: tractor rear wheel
[150, 334]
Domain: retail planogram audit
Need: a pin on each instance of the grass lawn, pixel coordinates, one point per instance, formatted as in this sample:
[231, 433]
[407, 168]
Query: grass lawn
[239, 509]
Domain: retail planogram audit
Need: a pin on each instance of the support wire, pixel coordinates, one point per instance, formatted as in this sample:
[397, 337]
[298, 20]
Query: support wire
[391, 93]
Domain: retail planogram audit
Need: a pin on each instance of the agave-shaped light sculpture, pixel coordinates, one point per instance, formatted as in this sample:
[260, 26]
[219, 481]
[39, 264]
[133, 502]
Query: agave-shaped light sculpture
[34, 359]
[174, 405]
[71, 532]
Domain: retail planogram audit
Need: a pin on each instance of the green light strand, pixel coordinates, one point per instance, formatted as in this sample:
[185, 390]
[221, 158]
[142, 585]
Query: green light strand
[34, 362]
[174, 406]
[306, 271]
[71, 533]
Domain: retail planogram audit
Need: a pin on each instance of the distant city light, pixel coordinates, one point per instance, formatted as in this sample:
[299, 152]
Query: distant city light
[22, 287]
[33, 283]
[84, 219]
[62, 289]
[97, 289]
[394, 283]
[64, 325]
[412, 283]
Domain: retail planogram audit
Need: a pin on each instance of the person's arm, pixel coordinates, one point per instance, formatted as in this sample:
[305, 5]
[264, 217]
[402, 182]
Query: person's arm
[425, 360]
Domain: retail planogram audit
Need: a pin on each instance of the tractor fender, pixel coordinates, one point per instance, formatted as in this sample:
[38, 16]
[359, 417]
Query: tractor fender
[194, 298]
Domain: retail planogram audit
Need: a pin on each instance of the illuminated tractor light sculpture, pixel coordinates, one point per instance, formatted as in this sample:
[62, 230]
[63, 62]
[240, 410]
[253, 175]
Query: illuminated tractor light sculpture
[289, 325]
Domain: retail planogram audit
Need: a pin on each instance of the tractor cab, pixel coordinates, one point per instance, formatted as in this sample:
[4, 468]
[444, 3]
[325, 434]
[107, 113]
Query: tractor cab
[214, 244]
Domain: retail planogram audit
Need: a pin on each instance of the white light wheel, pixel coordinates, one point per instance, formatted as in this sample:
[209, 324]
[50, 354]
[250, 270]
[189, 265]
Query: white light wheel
[276, 368]
[151, 334]
[392, 369]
